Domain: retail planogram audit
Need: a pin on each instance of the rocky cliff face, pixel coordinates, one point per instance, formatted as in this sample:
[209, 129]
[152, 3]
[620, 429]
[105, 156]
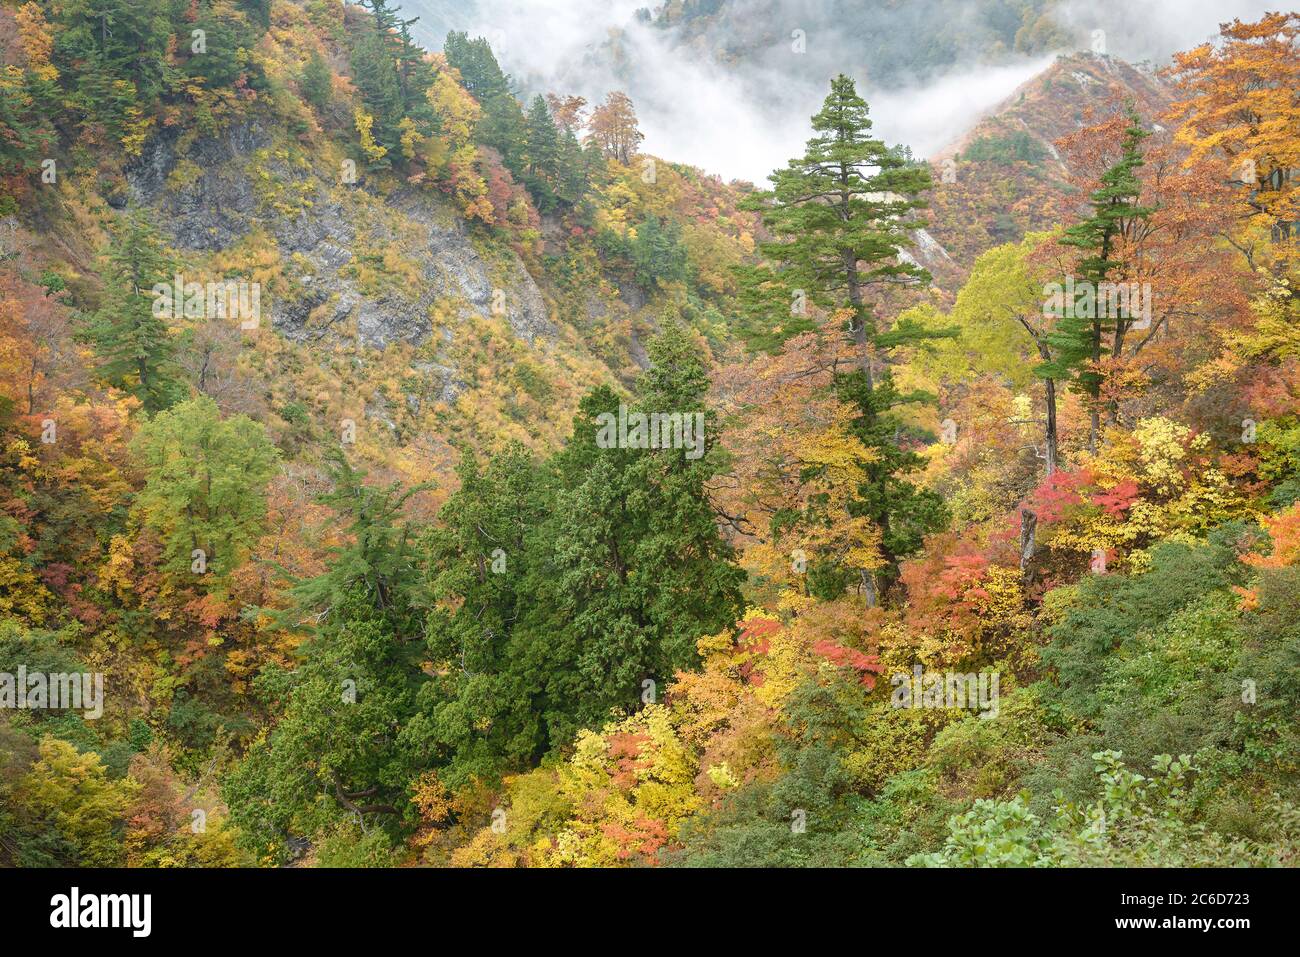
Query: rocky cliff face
[208, 200]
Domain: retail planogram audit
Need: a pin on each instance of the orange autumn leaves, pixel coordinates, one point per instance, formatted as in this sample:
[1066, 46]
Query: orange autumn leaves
[1283, 530]
[1239, 105]
[625, 792]
[794, 454]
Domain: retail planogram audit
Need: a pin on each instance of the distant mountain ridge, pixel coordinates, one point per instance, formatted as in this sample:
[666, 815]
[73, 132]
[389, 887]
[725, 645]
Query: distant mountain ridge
[1005, 176]
[1051, 104]
[863, 34]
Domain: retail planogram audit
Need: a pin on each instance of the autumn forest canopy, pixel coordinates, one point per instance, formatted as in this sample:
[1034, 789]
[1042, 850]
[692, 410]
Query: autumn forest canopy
[405, 467]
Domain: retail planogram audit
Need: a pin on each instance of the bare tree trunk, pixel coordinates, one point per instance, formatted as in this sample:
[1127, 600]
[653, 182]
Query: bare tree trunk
[860, 334]
[1028, 544]
[869, 589]
[861, 339]
[1044, 353]
[1052, 457]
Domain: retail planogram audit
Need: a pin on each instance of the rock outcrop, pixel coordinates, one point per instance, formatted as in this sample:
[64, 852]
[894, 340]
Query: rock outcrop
[213, 203]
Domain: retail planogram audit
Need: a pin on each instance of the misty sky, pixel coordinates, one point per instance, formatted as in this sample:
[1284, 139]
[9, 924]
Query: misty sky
[742, 121]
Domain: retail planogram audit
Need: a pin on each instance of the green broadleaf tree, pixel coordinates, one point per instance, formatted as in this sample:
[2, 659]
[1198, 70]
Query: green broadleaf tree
[205, 484]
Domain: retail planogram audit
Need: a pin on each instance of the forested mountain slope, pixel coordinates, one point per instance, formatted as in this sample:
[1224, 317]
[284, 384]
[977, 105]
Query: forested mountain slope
[942, 32]
[1006, 175]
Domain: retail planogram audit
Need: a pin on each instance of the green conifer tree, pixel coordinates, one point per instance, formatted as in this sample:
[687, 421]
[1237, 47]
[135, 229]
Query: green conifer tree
[542, 155]
[842, 214]
[133, 343]
[1081, 335]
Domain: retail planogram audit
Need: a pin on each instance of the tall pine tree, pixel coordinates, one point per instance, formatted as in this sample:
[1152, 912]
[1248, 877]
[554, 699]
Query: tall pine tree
[542, 155]
[134, 345]
[335, 754]
[1082, 334]
[502, 126]
[842, 215]
[560, 589]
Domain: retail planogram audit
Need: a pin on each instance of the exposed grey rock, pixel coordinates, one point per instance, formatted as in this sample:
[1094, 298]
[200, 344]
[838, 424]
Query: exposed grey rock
[324, 225]
[389, 319]
[638, 352]
[449, 386]
[221, 206]
[632, 294]
[455, 269]
[213, 212]
[377, 409]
